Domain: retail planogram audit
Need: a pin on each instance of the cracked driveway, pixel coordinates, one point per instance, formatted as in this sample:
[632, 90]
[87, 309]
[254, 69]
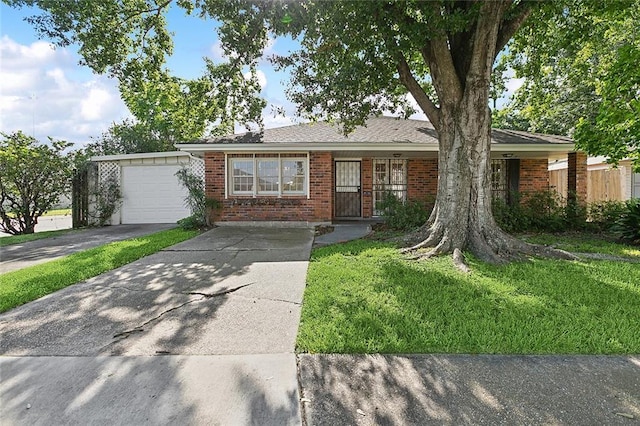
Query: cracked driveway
[231, 291]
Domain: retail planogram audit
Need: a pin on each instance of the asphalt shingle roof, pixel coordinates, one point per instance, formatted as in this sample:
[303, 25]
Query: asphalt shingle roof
[377, 130]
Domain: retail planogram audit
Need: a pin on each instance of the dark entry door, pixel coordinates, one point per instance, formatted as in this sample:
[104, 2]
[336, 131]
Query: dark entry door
[348, 186]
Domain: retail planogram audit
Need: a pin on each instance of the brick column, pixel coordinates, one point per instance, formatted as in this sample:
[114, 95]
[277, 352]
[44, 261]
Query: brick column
[577, 178]
[366, 182]
[214, 170]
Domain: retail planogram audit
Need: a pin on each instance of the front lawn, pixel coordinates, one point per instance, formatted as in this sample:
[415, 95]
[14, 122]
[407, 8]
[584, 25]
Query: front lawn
[364, 297]
[31, 283]
[584, 243]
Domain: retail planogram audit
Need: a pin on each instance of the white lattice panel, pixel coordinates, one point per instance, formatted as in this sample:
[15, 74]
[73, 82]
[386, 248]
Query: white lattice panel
[197, 167]
[109, 170]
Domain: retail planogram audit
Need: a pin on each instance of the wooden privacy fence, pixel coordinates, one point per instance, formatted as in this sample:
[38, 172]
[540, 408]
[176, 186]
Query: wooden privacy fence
[602, 184]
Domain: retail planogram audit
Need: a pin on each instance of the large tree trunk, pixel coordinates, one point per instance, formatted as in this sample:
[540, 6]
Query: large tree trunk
[460, 68]
[462, 218]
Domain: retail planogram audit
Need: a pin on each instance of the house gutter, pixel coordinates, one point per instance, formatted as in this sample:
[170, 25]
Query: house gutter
[350, 146]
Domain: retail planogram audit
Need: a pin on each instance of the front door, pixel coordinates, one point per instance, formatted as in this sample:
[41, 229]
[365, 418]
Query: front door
[348, 202]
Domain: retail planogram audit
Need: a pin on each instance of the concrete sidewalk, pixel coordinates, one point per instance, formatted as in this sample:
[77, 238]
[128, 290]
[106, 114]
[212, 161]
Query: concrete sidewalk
[18, 256]
[343, 232]
[470, 390]
[200, 333]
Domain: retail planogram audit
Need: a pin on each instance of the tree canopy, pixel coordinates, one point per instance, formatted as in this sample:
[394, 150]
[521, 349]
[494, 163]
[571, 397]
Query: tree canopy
[33, 176]
[356, 59]
[129, 40]
[581, 76]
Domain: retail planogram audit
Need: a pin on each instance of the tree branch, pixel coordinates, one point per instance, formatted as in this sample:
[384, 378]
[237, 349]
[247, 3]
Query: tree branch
[509, 27]
[421, 97]
[484, 39]
[438, 56]
[156, 9]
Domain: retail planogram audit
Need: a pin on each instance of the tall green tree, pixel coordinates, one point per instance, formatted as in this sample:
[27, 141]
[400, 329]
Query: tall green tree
[129, 41]
[33, 176]
[130, 137]
[356, 59]
[582, 76]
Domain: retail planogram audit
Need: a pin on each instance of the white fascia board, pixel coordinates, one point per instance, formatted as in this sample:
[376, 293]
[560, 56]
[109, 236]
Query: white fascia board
[332, 146]
[373, 147]
[119, 157]
[569, 147]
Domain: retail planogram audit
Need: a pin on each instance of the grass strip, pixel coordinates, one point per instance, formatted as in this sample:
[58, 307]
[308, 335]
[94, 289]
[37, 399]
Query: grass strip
[24, 285]
[364, 297]
[58, 212]
[19, 239]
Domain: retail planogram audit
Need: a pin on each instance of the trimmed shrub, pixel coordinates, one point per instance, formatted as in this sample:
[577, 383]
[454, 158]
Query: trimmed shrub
[404, 216]
[540, 211]
[627, 227]
[603, 215]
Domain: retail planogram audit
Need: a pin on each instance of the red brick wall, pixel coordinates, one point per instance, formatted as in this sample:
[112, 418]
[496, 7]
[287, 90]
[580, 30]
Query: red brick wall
[422, 178]
[317, 208]
[534, 175]
[577, 176]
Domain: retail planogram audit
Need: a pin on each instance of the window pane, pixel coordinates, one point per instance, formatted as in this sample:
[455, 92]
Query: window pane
[293, 176]
[242, 176]
[390, 177]
[267, 176]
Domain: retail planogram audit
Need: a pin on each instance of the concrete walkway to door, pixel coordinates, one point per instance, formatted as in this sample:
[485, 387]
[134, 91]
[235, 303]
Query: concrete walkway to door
[200, 333]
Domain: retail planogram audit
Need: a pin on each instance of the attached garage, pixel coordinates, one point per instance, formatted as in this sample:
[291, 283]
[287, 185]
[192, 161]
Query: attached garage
[151, 192]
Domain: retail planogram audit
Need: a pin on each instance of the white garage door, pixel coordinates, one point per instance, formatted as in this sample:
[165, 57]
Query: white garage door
[152, 194]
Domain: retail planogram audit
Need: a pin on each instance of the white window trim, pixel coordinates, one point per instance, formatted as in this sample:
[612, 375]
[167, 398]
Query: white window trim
[304, 157]
[256, 185]
[231, 176]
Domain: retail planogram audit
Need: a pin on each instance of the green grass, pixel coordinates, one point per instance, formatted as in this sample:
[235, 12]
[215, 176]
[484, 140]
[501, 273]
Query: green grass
[364, 297]
[584, 243]
[58, 212]
[31, 283]
[19, 239]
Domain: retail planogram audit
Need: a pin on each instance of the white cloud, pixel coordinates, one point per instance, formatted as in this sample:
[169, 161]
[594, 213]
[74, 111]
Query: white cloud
[97, 100]
[262, 78]
[18, 55]
[512, 85]
[50, 95]
[217, 52]
[58, 76]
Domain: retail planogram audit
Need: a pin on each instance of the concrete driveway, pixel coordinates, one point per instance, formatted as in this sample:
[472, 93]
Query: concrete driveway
[18, 256]
[200, 333]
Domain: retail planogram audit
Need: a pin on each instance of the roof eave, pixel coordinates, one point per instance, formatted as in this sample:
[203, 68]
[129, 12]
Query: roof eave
[363, 146]
[141, 155]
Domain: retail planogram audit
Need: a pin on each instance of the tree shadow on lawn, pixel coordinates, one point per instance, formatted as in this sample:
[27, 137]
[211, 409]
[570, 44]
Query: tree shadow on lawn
[539, 306]
[384, 304]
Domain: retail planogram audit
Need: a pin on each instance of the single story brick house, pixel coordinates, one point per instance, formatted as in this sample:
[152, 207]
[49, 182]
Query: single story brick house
[311, 173]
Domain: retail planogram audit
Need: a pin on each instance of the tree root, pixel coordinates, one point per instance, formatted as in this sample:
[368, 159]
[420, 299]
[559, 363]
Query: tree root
[499, 248]
[458, 261]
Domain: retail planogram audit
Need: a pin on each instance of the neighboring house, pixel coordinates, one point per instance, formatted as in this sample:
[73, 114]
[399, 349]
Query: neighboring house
[312, 173]
[604, 181]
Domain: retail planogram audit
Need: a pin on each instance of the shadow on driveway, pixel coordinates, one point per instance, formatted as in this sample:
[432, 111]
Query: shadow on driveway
[202, 331]
[18, 256]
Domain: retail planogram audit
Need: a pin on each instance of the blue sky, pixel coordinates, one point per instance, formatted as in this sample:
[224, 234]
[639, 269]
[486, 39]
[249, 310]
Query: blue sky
[44, 92]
